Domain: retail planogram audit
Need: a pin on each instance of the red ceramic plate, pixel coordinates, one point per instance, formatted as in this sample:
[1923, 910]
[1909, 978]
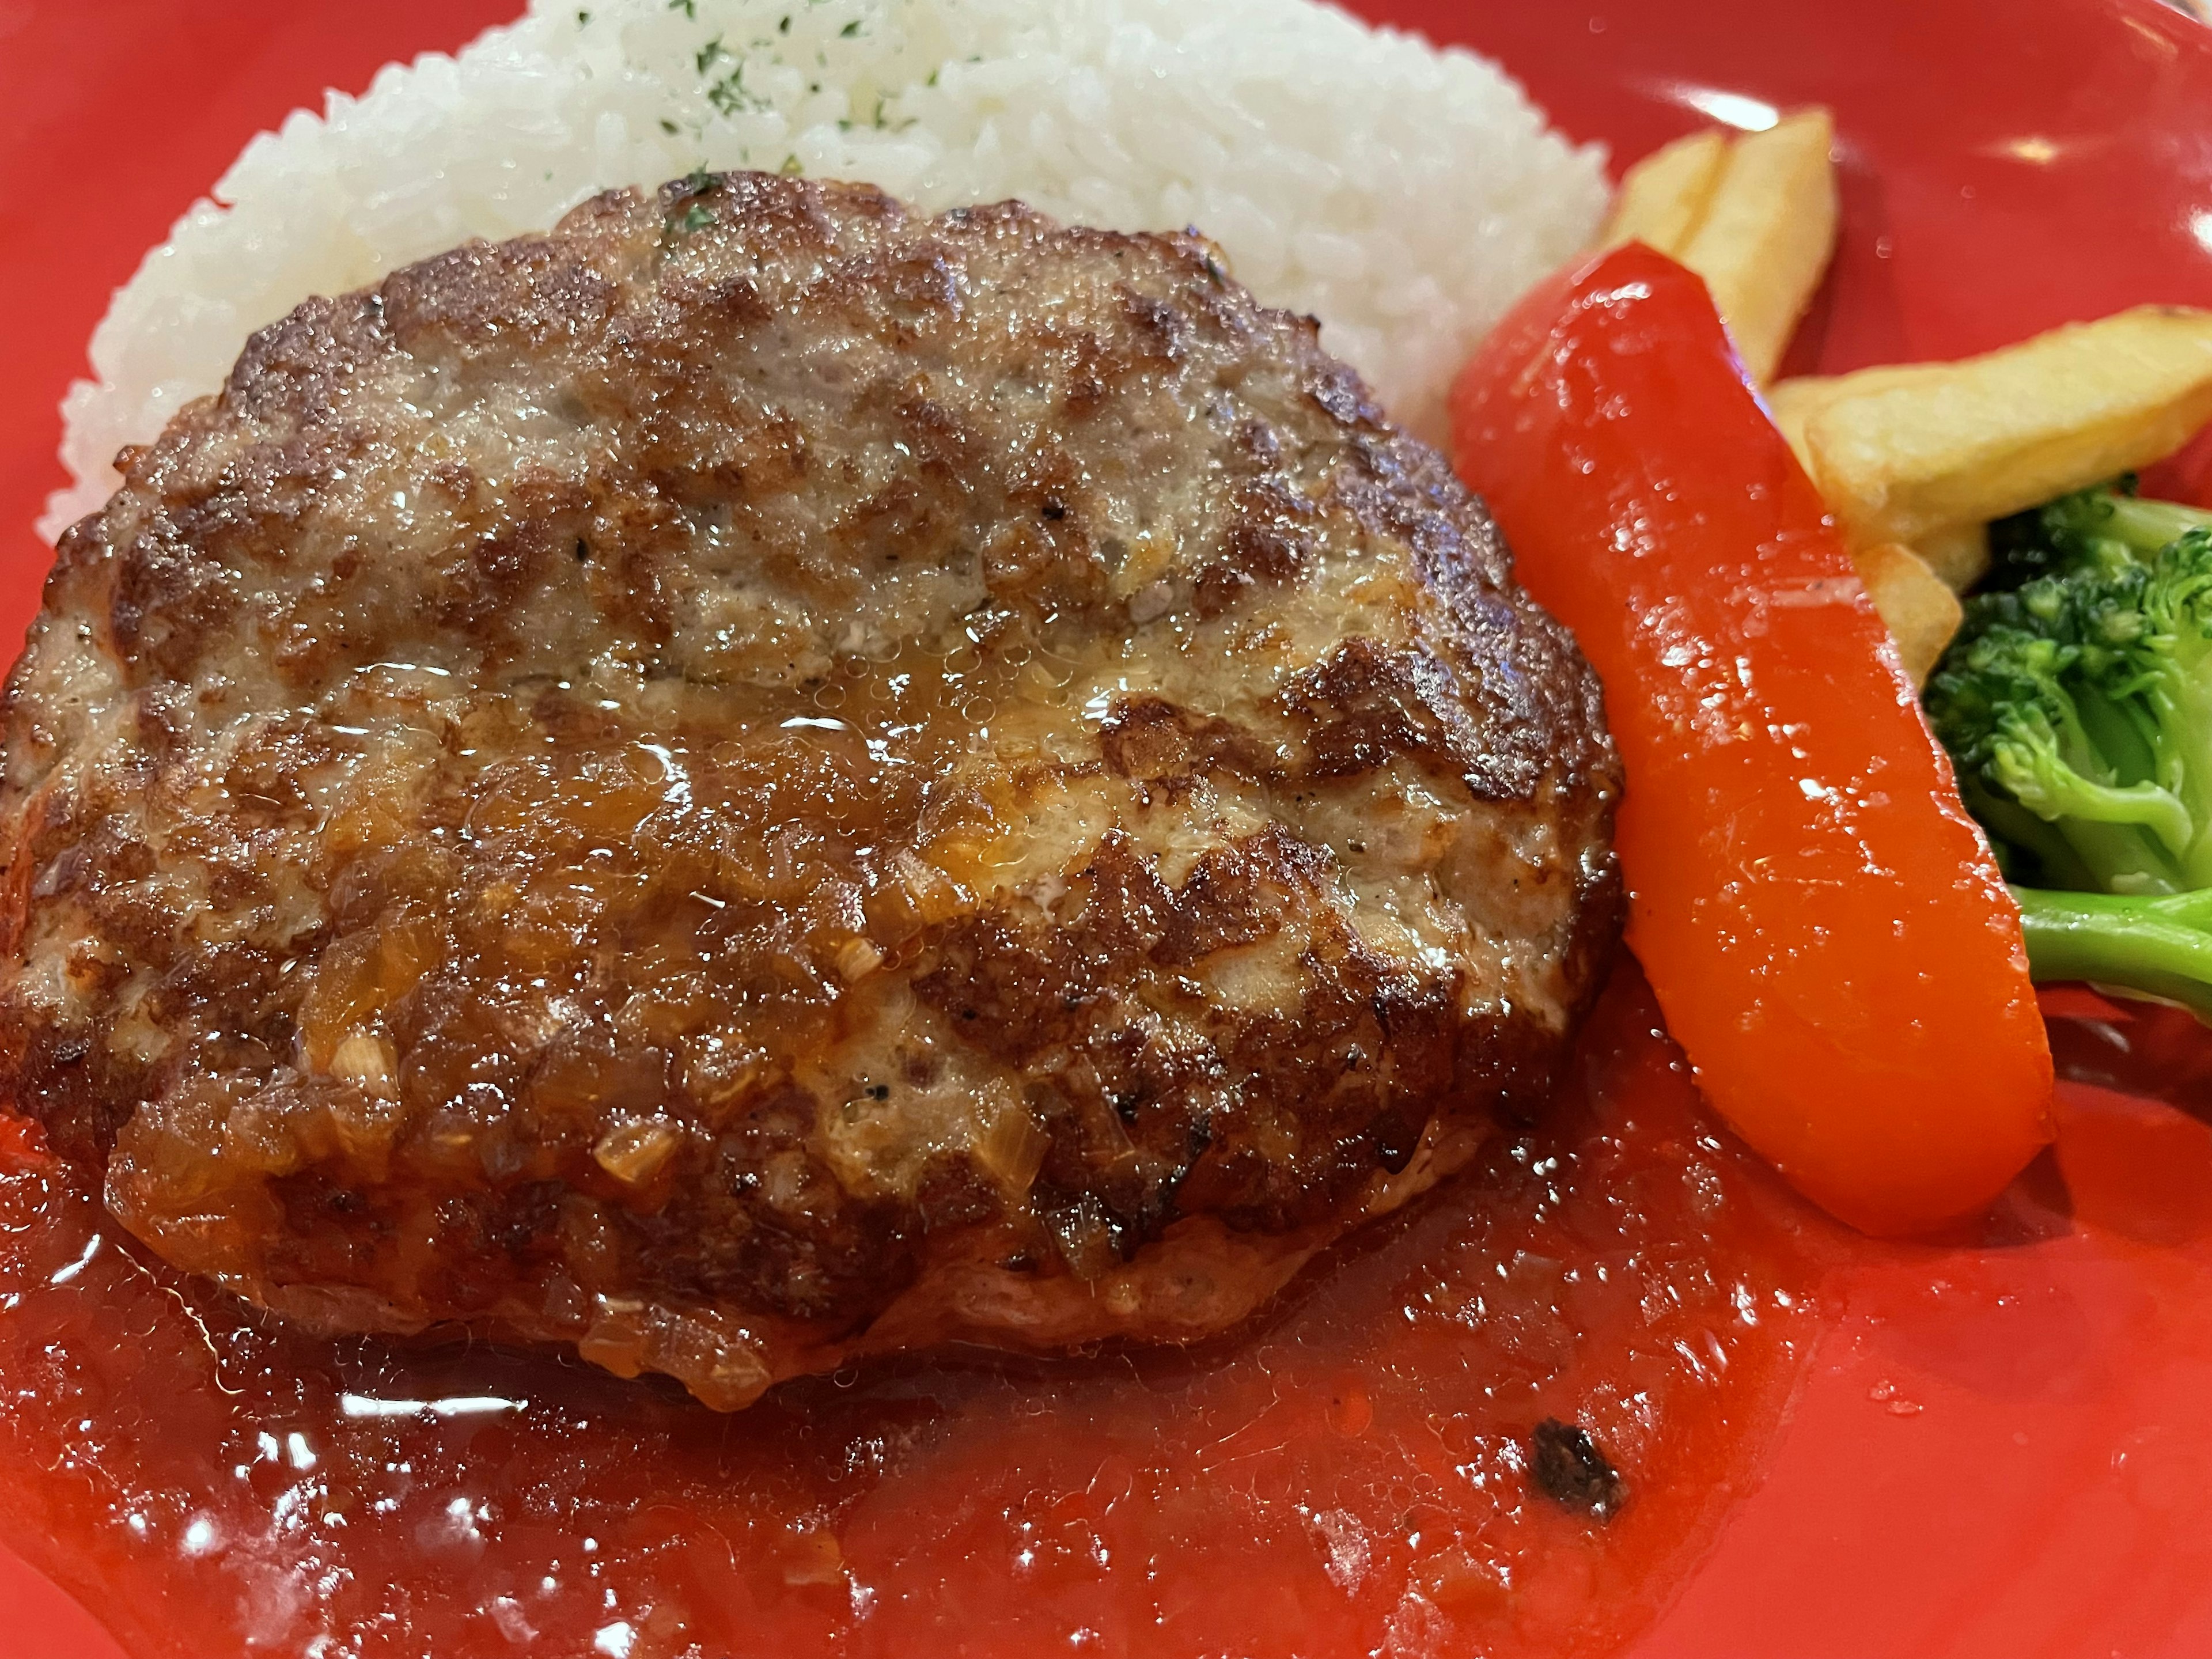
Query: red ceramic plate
[1995, 1451]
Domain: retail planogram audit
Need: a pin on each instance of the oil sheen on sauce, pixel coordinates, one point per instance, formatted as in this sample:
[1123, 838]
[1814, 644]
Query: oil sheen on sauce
[1351, 1476]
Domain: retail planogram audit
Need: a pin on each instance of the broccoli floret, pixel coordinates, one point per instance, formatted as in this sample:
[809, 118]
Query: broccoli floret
[2076, 703]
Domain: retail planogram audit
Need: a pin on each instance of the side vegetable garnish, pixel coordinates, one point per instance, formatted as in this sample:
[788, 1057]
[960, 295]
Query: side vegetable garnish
[1819, 917]
[2077, 704]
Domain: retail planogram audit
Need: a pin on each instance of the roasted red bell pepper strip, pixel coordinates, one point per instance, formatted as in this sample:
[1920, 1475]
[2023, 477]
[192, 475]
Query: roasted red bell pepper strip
[1822, 922]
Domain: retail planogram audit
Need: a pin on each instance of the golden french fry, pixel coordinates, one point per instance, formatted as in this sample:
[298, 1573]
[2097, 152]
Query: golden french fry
[1922, 614]
[1959, 555]
[1794, 401]
[1904, 453]
[1664, 196]
[1767, 233]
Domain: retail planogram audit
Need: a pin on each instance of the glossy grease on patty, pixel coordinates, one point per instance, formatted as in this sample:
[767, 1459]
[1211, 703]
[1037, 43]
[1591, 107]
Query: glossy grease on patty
[762, 778]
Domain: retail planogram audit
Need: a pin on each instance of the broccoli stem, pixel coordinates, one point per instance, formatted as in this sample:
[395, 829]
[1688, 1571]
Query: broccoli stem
[2161, 946]
[2147, 527]
[2185, 758]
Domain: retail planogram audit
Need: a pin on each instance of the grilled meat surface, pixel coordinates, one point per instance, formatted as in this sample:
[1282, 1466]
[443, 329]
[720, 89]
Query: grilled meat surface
[763, 778]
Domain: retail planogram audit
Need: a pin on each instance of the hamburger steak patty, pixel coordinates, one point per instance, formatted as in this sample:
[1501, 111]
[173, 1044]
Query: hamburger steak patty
[763, 778]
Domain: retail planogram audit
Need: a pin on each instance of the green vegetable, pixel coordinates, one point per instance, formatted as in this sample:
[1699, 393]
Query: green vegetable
[2076, 703]
[729, 96]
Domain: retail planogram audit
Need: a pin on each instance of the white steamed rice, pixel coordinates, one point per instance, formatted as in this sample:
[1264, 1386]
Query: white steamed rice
[1404, 195]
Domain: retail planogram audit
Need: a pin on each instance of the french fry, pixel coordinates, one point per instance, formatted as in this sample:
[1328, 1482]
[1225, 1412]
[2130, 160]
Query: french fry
[1908, 453]
[1663, 197]
[1794, 401]
[1959, 554]
[1767, 233]
[1921, 612]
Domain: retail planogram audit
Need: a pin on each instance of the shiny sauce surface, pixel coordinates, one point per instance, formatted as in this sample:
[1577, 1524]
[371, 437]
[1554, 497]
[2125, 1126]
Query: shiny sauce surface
[1352, 1475]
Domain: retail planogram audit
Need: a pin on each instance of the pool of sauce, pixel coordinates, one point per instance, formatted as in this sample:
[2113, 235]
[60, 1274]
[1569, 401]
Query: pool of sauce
[1351, 1476]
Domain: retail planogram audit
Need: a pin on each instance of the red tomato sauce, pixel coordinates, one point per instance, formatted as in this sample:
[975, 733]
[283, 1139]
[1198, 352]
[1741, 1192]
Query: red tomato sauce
[1351, 1476]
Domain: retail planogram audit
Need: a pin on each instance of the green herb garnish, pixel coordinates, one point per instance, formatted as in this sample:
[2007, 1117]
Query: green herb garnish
[729, 96]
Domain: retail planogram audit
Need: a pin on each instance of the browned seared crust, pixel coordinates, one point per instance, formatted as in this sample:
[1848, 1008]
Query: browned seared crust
[762, 778]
